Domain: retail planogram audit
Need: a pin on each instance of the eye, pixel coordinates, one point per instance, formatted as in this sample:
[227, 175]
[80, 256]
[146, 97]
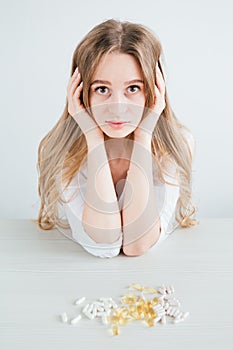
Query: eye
[134, 88]
[102, 89]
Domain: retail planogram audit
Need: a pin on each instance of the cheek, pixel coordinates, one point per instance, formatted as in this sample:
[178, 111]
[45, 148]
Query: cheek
[139, 99]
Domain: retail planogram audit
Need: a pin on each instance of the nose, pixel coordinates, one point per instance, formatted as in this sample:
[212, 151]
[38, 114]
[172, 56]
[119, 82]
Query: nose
[117, 103]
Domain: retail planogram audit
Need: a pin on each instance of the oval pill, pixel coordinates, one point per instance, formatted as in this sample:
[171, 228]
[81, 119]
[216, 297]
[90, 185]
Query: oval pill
[177, 320]
[80, 300]
[186, 314]
[76, 319]
[64, 317]
[163, 319]
[104, 319]
[176, 312]
[85, 308]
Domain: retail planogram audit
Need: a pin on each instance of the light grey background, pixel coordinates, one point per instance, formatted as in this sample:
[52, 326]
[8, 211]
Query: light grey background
[37, 43]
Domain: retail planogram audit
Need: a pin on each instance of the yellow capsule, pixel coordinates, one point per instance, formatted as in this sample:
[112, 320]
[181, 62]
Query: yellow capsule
[149, 290]
[150, 322]
[118, 312]
[129, 298]
[136, 286]
[152, 313]
[139, 309]
[132, 308]
[155, 301]
[115, 329]
[141, 301]
[123, 321]
[113, 319]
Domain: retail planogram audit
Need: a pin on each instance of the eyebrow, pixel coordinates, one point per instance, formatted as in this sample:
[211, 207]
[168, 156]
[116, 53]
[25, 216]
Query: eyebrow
[108, 82]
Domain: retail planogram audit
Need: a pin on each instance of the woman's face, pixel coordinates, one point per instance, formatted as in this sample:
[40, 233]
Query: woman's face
[117, 94]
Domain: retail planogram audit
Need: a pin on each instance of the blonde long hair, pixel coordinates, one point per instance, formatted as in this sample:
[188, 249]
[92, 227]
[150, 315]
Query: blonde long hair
[65, 145]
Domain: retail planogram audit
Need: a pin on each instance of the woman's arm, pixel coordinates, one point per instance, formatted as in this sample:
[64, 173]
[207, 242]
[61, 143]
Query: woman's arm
[141, 223]
[101, 218]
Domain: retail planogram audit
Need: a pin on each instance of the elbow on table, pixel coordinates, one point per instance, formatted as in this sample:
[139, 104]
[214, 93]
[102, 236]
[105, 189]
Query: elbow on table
[143, 244]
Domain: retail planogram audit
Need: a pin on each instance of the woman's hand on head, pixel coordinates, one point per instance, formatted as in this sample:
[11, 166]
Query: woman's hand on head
[146, 127]
[77, 110]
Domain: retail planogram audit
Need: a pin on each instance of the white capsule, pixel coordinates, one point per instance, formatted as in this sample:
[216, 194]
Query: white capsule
[100, 314]
[157, 319]
[161, 314]
[161, 301]
[64, 317]
[186, 314]
[168, 297]
[104, 319]
[172, 288]
[76, 319]
[169, 290]
[89, 315]
[161, 290]
[162, 310]
[173, 302]
[163, 319]
[85, 308]
[107, 306]
[94, 310]
[90, 308]
[158, 307]
[176, 312]
[172, 312]
[113, 304]
[100, 308]
[179, 315]
[177, 320]
[80, 300]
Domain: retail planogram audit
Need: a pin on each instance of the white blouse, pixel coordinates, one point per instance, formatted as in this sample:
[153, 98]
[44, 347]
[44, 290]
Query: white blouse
[166, 199]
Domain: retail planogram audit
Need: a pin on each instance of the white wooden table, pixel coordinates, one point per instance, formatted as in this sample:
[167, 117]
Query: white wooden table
[42, 273]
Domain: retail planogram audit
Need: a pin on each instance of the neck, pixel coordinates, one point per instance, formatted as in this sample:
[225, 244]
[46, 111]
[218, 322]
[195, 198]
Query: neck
[118, 147]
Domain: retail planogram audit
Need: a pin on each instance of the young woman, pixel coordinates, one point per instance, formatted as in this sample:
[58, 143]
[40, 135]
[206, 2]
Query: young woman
[118, 161]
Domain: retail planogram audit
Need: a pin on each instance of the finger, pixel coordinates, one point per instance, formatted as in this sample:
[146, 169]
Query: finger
[74, 85]
[78, 90]
[73, 77]
[160, 79]
[157, 92]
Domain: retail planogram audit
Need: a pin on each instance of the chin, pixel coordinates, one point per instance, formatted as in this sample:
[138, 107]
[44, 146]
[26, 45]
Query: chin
[117, 135]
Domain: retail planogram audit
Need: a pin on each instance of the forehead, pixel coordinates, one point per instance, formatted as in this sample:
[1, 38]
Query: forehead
[117, 66]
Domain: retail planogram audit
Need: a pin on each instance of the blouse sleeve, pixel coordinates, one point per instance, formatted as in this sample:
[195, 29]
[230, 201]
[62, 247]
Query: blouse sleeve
[76, 191]
[167, 195]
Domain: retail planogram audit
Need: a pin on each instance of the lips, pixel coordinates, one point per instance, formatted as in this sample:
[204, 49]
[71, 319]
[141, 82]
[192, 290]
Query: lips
[116, 125]
[113, 122]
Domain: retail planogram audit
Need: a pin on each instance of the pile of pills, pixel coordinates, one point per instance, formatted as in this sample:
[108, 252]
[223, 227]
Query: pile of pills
[134, 306]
